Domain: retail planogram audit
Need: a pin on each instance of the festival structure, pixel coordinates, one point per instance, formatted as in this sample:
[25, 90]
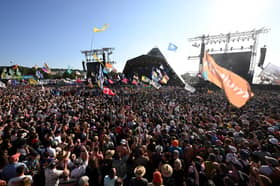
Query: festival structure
[145, 65]
[236, 52]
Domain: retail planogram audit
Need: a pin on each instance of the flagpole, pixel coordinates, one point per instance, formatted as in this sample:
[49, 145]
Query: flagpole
[92, 39]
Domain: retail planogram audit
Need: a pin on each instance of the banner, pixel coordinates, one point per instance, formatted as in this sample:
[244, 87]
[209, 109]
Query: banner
[236, 88]
[189, 88]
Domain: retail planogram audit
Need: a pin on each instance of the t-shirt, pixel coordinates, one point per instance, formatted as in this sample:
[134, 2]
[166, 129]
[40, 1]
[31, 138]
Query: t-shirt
[108, 181]
[79, 171]
[138, 182]
[15, 180]
[52, 177]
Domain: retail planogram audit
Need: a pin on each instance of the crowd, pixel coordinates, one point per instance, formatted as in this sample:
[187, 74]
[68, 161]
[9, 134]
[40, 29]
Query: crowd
[141, 136]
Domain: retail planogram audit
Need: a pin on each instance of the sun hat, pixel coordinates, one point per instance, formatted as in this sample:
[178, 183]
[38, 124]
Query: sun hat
[139, 171]
[166, 170]
[123, 142]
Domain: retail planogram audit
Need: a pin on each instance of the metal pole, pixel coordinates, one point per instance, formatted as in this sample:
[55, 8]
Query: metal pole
[202, 50]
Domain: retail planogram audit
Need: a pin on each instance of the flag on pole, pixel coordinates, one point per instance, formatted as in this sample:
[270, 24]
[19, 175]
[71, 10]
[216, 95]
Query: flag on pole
[102, 29]
[97, 59]
[172, 47]
[108, 91]
[145, 79]
[46, 68]
[236, 88]
[164, 79]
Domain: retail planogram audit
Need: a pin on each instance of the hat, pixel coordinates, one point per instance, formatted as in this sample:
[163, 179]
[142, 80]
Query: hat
[232, 148]
[139, 171]
[166, 170]
[83, 180]
[175, 143]
[274, 141]
[15, 157]
[109, 154]
[271, 160]
[123, 142]
[157, 178]
[159, 148]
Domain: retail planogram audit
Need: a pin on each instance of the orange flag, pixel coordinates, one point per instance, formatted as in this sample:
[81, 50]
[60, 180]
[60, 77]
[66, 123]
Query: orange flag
[236, 88]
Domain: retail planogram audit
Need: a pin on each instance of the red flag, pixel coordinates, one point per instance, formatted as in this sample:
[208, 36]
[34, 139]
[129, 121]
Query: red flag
[125, 80]
[111, 81]
[108, 91]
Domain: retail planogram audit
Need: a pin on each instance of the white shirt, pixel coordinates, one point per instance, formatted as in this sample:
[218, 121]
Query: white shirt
[79, 171]
[51, 151]
[17, 179]
[52, 177]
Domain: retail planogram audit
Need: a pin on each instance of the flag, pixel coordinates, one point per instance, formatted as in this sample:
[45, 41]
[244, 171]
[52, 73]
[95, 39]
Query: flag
[108, 65]
[236, 88]
[164, 79]
[155, 76]
[172, 47]
[15, 67]
[100, 77]
[155, 84]
[32, 82]
[103, 28]
[111, 81]
[135, 80]
[39, 75]
[189, 88]
[46, 68]
[145, 79]
[106, 70]
[125, 80]
[108, 91]
[97, 59]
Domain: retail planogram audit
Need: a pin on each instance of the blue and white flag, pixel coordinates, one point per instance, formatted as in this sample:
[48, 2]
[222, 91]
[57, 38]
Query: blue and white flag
[172, 47]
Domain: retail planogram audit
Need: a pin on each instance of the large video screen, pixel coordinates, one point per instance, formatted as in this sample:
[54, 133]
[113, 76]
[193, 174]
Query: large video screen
[238, 62]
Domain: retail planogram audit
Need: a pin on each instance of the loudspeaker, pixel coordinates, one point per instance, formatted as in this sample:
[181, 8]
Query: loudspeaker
[84, 68]
[262, 58]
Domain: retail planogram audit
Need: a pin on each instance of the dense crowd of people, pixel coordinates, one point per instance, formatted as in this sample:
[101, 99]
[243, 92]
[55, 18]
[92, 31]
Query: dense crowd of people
[141, 136]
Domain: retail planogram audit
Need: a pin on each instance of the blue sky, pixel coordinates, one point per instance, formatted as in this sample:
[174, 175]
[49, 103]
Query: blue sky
[55, 31]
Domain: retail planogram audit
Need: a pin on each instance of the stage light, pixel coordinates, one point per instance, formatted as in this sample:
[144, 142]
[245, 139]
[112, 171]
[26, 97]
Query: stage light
[212, 49]
[251, 46]
[242, 47]
[231, 48]
[221, 49]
